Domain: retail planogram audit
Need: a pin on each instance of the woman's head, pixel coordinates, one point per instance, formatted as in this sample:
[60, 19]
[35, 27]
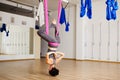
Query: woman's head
[54, 72]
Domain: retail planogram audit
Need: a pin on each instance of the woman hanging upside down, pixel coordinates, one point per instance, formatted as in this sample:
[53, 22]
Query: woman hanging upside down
[52, 57]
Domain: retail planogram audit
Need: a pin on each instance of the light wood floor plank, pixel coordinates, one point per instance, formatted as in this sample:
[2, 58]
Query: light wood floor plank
[69, 70]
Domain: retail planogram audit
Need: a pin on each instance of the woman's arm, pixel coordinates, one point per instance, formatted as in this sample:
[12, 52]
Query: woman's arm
[47, 55]
[60, 56]
[48, 59]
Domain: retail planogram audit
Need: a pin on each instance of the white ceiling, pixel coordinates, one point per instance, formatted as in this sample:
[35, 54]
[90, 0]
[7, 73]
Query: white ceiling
[14, 6]
[52, 4]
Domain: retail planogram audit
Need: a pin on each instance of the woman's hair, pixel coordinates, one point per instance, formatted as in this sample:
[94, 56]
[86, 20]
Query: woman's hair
[54, 72]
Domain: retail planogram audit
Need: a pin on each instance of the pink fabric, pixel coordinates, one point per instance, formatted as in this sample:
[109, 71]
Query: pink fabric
[46, 16]
[53, 44]
[58, 18]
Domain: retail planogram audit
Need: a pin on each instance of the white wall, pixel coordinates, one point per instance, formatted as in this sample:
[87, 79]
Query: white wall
[97, 39]
[17, 42]
[68, 38]
[18, 19]
[25, 23]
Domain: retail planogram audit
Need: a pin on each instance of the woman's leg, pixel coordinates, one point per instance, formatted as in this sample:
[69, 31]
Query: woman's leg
[46, 37]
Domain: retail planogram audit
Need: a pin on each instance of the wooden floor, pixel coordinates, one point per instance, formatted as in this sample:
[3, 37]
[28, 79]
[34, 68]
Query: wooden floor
[69, 70]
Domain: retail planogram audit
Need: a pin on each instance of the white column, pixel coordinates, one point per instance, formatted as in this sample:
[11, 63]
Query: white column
[96, 40]
[27, 41]
[88, 40]
[104, 40]
[0, 41]
[36, 45]
[118, 41]
[79, 35]
[113, 41]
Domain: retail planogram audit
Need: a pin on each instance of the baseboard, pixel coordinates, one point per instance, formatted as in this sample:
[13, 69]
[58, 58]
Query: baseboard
[69, 59]
[98, 61]
[91, 60]
[17, 60]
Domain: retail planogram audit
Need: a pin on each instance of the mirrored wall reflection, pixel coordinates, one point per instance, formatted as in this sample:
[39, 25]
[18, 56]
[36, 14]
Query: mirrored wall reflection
[15, 40]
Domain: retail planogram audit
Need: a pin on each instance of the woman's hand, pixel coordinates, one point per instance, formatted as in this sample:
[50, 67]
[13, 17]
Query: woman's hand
[61, 55]
[54, 21]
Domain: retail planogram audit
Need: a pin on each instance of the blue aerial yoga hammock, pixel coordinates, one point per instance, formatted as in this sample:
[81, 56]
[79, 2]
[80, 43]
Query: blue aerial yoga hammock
[63, 19]
[115, 8]
[112, 7]
[3, 28]
[62, 16]
[86, 4]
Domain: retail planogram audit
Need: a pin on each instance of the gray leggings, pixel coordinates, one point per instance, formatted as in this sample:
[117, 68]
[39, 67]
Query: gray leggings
[49, 38]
